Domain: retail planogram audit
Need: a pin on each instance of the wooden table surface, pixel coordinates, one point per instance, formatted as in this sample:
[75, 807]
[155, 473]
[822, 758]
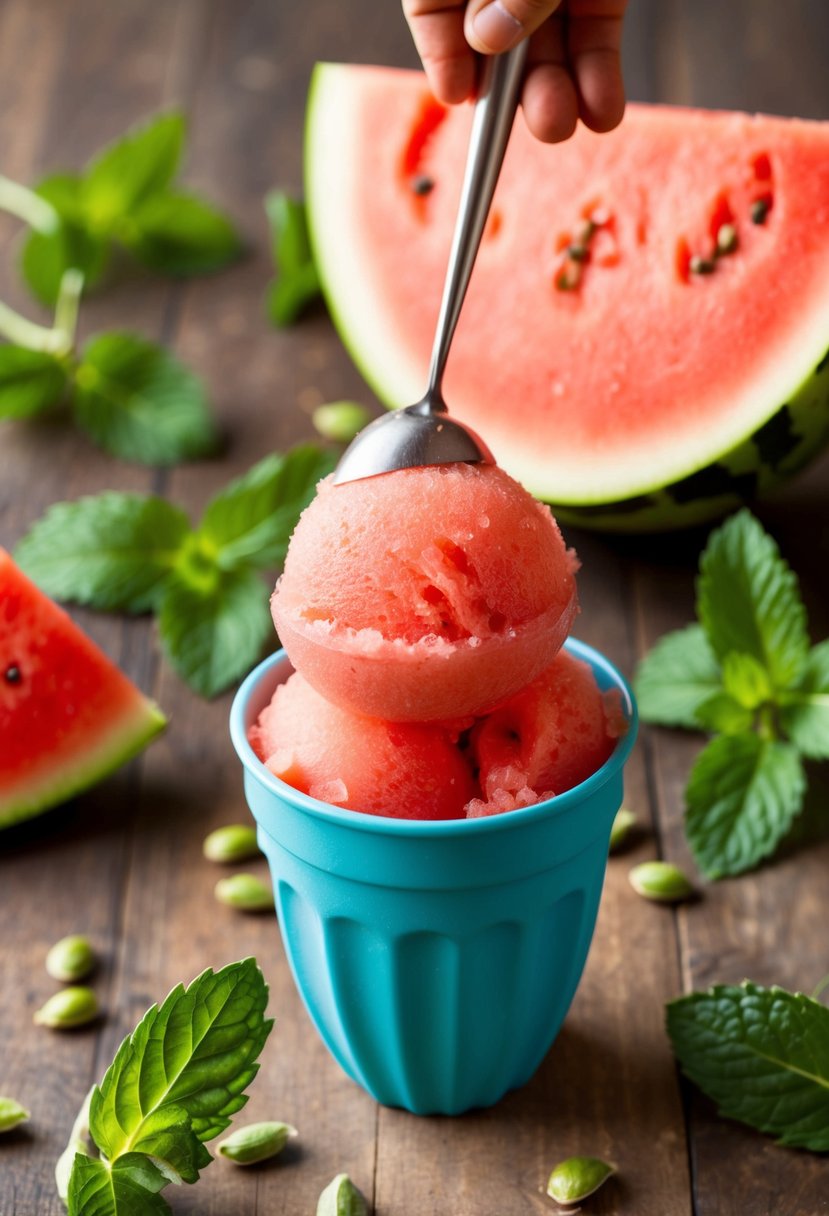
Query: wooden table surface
[123, 862]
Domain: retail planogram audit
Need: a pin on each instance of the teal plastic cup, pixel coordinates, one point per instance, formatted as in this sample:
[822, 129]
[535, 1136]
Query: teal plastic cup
[437, 959]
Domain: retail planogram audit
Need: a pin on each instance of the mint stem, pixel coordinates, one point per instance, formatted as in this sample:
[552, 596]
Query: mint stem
[27, 206]
[26, 333]
[66, 309]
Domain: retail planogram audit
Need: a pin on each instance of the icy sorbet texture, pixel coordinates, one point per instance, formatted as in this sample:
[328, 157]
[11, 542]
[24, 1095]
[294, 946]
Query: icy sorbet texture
[425, 594]
[424, 613]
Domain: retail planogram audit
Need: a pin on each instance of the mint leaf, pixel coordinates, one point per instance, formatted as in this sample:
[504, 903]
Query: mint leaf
[139, 402]
[184, 1069]
[746, 680]
[762, 1054]
[213, 625]
[111, 551]
[128, 1188]
[741, 798]
[678, 675]
[44, 259]
[30, 381]
[748, 600]
[252, 519]
[804, 711]
[179, 234]
[723, 713]
[131, 170]
[297, 283]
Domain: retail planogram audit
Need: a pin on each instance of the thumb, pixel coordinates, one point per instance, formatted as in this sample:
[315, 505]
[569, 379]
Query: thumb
[492, 26]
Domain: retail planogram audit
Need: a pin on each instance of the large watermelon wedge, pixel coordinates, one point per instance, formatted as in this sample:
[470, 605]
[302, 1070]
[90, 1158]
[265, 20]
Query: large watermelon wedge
[644, 342]
[68, 716]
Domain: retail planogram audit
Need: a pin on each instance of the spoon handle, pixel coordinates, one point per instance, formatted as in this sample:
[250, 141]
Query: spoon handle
[491, 125]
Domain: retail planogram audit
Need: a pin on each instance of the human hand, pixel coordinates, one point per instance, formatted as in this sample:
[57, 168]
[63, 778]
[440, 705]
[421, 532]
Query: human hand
[573, 65]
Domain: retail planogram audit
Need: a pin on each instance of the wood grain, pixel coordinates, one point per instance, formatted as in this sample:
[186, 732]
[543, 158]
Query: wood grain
[123, 863]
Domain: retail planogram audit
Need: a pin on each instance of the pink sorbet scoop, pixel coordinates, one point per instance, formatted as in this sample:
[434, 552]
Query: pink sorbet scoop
[425, 594]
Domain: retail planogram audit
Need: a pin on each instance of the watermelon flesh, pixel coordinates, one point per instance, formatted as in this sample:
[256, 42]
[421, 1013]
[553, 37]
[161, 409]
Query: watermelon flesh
[543, 741]
[68, 716]
[424, 594]
[652, 379]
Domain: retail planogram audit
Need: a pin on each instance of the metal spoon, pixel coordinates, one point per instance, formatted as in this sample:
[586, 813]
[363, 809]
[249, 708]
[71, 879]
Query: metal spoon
[424, 434]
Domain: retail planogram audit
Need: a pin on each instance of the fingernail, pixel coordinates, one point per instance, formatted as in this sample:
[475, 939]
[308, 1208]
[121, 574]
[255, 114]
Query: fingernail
[497, 29]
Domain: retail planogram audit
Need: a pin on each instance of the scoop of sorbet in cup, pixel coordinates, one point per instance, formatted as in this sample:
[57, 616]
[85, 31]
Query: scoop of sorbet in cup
[426, 593]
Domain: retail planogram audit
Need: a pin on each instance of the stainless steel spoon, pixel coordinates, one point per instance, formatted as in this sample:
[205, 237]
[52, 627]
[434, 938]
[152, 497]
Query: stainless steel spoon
[424, 434]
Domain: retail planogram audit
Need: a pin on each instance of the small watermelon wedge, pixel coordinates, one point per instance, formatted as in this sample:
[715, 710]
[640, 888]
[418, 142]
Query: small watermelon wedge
[645, 339]
[68, 716]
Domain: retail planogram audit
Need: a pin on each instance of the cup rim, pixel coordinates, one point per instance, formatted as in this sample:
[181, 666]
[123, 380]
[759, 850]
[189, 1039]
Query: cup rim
[431, 828]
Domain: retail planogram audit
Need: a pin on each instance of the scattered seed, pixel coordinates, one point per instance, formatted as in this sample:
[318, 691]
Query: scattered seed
[245, 892]
[569, 277]
[67, 1009]
[660, 881]
[340, 420]
[578, 253]
[422, 185]
[341, 1198]
[698, 265]
[11, 1113]
[13, 674]
[623, 823]
[576, 1178]
[727, 239]
[71, 959]
[256, 1142]
[235, 842]
[759, 210]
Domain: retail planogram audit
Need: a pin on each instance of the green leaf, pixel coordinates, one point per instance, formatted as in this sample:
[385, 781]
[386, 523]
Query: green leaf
[297, 283]
[804, 712]
[213, 630]
[252, 519]
[127, 1188]
[748, 600]
[111, 551]
[723, 713]
[178, 1078]
[679, 675]
[746, 680]
[741, 798]
[131, 170]
[179, 234]
[44, 259]
[137, 401]
[762, 1054]
[30, 381]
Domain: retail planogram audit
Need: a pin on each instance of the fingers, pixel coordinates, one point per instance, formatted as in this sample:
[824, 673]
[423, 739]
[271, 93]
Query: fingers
[574, 69]
[492, 26]
[549, 98]
[437, 30]
[594, 39]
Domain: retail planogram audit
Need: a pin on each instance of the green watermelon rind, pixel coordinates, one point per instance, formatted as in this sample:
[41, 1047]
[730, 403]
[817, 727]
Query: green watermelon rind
[794, 434]
[122, 742]
[707, 489]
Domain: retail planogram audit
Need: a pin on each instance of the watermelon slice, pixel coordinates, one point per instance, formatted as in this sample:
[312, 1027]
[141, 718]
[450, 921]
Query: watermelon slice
[68, 716]
[644, 342]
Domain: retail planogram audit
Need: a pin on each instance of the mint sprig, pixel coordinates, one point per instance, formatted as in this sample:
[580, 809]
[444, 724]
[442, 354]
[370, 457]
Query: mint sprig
[132, 397]
[127, 196]
[762, 1054]
[138, 553]
[746, 674]
[174, 1084]
[297, 283]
